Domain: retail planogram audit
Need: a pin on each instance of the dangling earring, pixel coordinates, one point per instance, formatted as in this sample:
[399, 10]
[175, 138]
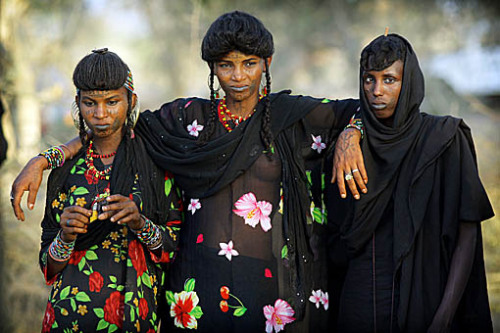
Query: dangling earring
[263, 88]
[134, 114]
[75, 111]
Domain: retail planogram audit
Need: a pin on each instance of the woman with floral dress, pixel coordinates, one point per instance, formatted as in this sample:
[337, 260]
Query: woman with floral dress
[111, 218]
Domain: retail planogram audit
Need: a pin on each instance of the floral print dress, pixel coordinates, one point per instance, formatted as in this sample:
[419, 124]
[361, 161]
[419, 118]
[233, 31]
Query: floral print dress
[113, 286]
[231, 254]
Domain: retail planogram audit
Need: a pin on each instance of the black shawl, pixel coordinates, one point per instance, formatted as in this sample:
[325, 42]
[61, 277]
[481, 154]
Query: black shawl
[427, 165]
[202, 170]
[131, 159]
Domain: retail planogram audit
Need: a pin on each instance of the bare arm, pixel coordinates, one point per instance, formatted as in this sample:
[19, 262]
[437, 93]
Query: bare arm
[74, 221]
[461, 266]
[30, 178]
[348, 158]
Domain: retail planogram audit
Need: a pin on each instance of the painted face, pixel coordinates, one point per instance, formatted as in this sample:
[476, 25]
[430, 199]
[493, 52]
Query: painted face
[382, 89]
[104, 111]
[239, 75]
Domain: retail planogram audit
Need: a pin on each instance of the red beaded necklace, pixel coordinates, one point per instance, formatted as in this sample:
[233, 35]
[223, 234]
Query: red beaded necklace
[225, 115]
[91, 169]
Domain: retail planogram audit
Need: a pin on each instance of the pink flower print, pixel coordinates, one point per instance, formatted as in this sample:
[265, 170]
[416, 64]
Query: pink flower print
[227, 250]
[199, 239]
[254, 211]
[278, 316]
[317, 144]
[316, 297]
[319, 297]
[194, 128]
[324, 300]
[194, 205]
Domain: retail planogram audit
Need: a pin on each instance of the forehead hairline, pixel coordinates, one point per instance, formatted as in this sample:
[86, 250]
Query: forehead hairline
[238, 54]
[391, 72]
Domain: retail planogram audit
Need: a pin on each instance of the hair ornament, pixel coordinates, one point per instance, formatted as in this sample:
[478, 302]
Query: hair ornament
[386, 31]
[100, 51]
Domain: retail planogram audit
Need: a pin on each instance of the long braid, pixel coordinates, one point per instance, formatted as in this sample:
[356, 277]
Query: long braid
[82, 133]
[210, 125]
[266, 134]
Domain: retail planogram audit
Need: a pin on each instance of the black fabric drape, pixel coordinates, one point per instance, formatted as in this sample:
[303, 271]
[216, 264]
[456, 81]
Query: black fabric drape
[427, 165]
[131, 159]
[203, 170]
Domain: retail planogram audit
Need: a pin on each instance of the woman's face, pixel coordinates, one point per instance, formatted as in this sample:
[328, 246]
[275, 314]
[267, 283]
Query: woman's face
[239, 75]
[104, 111]
[382, 89]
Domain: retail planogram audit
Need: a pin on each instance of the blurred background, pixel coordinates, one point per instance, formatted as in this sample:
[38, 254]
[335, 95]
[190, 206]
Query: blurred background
[317, 42]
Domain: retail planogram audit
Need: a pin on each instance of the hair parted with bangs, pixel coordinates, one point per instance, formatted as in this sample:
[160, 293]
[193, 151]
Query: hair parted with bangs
[102, 70]
[382, 52]
[238, 31]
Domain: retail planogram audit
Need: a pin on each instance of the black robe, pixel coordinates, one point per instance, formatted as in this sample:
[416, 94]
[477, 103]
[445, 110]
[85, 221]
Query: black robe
[427, 166]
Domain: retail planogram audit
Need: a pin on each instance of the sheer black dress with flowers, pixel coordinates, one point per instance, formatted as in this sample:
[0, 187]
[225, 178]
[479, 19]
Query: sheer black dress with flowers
[244, 262]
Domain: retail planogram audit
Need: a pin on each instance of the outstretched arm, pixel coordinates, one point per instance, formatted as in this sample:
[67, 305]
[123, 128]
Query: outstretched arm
[348, 161]
[461, 266]
[30, 177]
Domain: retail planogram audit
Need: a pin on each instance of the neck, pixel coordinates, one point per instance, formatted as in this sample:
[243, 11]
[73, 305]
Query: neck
[107, 145]
[244, 107]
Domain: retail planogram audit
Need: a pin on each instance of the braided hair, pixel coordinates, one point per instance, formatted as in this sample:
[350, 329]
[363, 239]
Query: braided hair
[237, 31]
[102, 70]
[382, 52]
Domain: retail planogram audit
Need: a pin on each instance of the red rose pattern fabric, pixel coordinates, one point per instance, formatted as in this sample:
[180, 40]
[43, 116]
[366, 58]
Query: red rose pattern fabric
[114, 285]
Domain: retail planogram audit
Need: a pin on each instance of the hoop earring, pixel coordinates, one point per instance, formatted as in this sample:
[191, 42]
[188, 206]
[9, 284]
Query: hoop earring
[216, 91]
[75, 110]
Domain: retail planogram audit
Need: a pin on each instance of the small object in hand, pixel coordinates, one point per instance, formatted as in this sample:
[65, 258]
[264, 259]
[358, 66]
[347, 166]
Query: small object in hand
[97, 209]
[348, 176]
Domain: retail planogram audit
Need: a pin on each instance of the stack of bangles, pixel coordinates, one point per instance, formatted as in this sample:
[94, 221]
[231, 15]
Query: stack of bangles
[59, 250]
[55, 156]
[357, 124]
[149, 234]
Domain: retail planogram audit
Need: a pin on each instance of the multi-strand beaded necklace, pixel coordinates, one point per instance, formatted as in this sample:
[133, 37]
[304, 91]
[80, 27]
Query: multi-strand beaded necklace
[91, 169]
[225, 116]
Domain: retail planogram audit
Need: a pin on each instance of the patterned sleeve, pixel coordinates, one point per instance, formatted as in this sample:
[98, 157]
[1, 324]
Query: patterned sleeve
[321, 127]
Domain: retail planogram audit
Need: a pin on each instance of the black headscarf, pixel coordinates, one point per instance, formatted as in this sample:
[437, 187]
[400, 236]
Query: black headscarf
[384, 150]
[131, 159]
[404, 162]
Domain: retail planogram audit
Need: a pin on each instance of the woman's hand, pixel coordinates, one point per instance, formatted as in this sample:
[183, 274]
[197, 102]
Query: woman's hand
[29, 179]
[122, 210]
[74, 221]
[348, 161]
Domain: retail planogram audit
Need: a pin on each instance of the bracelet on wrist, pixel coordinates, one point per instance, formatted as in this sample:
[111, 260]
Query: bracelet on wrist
[149, 234]
[55, 156]
[60, 250]
[357, 124]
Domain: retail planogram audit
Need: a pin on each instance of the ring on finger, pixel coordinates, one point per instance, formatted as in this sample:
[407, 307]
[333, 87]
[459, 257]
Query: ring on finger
[348, 176]
[67, 223]
[355, 170]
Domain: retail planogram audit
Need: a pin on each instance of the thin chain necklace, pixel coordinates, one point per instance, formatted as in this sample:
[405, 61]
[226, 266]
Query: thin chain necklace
[91, 169]
[225, 116]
